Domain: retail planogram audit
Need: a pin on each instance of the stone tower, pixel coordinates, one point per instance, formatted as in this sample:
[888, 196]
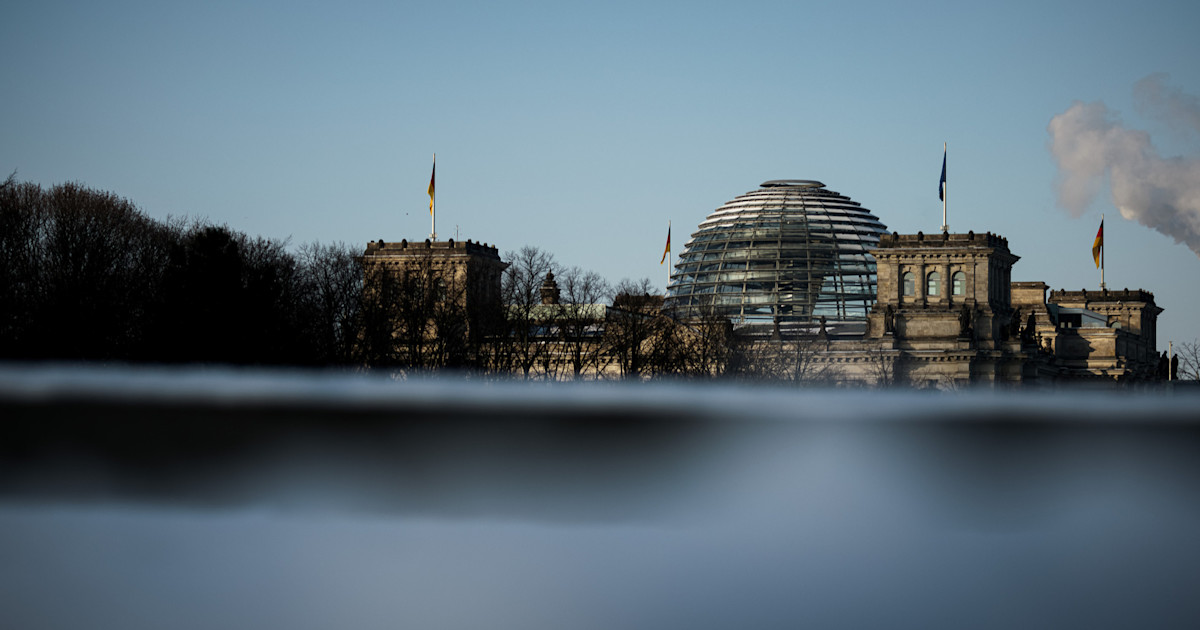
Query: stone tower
[944, 308]
[943, 287]
[456, 277]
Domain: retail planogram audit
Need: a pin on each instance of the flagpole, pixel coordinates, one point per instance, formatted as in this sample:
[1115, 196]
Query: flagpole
[945, 189]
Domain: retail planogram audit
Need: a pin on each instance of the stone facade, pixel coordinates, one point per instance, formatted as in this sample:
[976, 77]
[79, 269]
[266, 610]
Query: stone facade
[1105, 334]
[944, 311]
[948, 314]
[468, 273]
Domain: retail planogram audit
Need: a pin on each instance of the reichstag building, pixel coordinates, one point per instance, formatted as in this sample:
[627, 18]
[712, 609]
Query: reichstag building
[794, 269]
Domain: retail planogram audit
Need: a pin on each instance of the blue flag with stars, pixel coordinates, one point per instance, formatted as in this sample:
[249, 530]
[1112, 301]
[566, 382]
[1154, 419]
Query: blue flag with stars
[942, 183]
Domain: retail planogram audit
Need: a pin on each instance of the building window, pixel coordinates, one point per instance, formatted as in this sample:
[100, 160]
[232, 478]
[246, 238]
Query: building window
[959, 283]
[934, 286]
[910, 285]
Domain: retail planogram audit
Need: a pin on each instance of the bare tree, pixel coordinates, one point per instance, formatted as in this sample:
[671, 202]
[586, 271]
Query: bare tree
[1188, 353]
[76, 272]
[227, 298]
[579, 320]
[882, 367]
[332, 294]
[379, 319]
[706, 343]
[272, 324]
[797, 360]
[450, 346]
[23, 221]
[637, 334]
[525, 343]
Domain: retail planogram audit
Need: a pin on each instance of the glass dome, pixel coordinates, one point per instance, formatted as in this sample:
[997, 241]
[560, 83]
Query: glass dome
[790, 252]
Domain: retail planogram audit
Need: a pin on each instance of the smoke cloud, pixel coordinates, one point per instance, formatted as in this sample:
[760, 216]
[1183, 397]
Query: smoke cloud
[1155, 99]
[1092, 147]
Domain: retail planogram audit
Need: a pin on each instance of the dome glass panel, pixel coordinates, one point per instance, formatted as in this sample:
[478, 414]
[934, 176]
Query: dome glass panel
[790, 252]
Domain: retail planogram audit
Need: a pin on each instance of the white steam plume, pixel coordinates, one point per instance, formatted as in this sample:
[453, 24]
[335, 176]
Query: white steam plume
[1155, 99]
[1089, 144]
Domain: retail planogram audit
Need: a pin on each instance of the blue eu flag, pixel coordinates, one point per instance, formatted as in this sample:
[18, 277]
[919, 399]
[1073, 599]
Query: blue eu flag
[942, 184]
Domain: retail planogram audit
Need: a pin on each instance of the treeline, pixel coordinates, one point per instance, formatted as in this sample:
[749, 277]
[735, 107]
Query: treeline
[85, 275]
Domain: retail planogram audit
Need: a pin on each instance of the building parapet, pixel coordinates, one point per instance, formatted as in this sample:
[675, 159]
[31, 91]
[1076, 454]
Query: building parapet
[944, 239]
[404, 248]
[1104, 295]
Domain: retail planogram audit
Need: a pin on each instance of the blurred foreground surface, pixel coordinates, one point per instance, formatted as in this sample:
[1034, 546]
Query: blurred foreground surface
[238, 499]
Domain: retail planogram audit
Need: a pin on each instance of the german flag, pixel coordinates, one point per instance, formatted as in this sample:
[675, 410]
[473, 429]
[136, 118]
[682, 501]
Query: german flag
[431, 177]
[1098, 244]
[668, 248]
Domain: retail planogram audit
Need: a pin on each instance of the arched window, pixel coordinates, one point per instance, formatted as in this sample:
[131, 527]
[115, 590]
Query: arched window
[958, 283]
[934, 285]
[910, 284]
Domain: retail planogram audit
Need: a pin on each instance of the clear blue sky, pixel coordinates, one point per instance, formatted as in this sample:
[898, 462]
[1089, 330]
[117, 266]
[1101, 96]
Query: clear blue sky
[583, 129]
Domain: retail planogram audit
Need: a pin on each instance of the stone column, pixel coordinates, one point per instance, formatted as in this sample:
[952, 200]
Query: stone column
[947, 285]
[919, 289]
